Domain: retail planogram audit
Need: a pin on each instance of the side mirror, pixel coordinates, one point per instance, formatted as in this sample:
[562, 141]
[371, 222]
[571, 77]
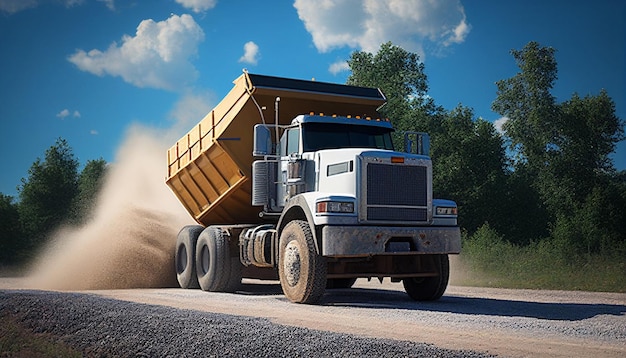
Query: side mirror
[416, 143]
[262, 141]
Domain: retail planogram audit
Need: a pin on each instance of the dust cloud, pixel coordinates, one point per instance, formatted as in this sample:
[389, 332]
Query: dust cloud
[465, 271]
[459, 270]
[130, 239]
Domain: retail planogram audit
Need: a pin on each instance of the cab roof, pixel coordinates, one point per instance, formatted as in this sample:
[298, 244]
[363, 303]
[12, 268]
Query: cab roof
[350, 120]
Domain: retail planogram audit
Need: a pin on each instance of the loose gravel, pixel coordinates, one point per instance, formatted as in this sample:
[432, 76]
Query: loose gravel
[103, 327]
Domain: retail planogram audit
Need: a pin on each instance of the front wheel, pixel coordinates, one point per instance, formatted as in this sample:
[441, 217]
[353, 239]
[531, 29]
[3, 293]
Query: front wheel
[429, 288]
[301, 270]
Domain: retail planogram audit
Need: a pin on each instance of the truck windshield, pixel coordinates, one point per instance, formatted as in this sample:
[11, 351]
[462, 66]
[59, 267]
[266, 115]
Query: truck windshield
[317, 136]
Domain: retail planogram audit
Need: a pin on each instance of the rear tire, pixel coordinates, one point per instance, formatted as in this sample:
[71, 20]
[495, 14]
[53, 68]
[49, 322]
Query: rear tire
[301, 270]
[216, 270]
[429, 288]
[185, 256]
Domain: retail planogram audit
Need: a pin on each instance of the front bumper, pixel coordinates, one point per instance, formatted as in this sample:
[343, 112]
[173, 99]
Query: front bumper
[359, 241]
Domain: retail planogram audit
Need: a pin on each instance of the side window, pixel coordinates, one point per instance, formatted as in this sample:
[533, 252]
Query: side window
[293, 141]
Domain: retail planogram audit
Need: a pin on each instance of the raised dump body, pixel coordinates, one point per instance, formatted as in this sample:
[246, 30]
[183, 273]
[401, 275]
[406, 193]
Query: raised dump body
[210, 168]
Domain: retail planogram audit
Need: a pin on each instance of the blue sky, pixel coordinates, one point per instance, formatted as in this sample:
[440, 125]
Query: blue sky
[85, 70]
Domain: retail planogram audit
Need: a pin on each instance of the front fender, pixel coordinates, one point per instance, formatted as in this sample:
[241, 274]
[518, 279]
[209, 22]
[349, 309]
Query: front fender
[298, 208]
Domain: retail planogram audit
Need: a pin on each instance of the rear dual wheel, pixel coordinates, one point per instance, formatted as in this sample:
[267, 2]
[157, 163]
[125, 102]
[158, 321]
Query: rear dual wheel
[216, 270]
[203, 260]
[185, 257]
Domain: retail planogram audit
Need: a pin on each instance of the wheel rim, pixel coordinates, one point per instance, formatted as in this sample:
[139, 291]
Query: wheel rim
[181, 264]
[204, 258]
[291, 263]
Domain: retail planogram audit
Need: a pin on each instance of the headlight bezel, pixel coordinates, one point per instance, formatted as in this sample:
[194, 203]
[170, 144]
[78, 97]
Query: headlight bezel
[446, 211]
[334, 207]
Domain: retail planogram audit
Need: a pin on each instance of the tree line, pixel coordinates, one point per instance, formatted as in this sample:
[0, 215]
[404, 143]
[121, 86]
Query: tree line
[55, 192]
[547, 177]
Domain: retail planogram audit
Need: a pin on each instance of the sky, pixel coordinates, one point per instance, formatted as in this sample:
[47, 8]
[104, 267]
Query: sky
[88, 70]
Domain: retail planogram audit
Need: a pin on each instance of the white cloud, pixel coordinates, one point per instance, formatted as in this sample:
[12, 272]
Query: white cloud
[250, 53]
[499, 124]
[70, 3]
[198, 5]
[93, 132]
[459, 33]
[337, 67]
[332, 23]
[190, 109]
[13, 6]
[406, 23]
[63, 114]
[109, 3]
[158, 56]
[66, 113]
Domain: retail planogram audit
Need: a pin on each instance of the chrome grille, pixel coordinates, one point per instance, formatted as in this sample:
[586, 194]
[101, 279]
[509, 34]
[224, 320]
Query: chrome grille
[396, 192]
[389, 184]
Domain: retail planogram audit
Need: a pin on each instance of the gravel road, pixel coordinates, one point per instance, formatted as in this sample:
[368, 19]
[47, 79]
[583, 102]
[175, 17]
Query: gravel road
[100, 326]
[368, 320]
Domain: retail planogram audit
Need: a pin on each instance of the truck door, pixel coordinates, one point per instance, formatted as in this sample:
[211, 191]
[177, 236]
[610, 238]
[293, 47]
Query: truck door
[291, 166]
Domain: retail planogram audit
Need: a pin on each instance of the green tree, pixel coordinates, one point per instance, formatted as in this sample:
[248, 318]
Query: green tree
[400, 76]
[469, 166]
[397, 72]
[586, 134]
[528, 103]
[46, 196]
[10, 231]
[563, 153]
[90, 182]
[525, 216]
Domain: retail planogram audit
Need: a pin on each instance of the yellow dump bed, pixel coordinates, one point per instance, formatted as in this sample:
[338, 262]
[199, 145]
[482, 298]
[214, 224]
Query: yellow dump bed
[209, 169]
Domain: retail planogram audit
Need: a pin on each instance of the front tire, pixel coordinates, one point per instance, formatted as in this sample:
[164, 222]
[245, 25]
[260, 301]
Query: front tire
[185, 256]
[301, 270]
[429, 288]
[216, 270]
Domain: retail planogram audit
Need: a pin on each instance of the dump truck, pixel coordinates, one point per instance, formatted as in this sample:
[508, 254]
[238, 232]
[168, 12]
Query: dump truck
[299, 181]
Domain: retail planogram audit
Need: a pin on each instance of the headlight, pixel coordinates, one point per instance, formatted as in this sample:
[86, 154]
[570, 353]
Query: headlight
[445, 210]
[335, 207]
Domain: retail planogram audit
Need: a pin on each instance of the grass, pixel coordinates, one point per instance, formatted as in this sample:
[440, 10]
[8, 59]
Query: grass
[17, 341]
[494, 262]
